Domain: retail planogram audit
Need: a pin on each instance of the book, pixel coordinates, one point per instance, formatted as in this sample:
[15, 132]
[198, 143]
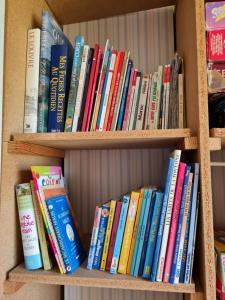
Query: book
[163, 98]
[101, 235]
[174, 222]
[32, 81]
[119, 234]
[159, 95]
[80, 89]
[147, 111]
[51, 34]
[128, 232]
[92, 249]
[108, 234]
[215, 15]
[215, 45]
[162, 255]
[113, 235]
[142, 102]
[78, 50]
[153, 101]
[59, 78]
[128, 121]
[167, 97]
[135, 101]
[46, 258]
[220, 251]
[28, 227]
[182, 112]
[152, 235]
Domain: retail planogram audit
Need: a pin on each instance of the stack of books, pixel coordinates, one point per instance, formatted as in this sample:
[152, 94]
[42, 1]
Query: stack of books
[150, 233]
[91, 89]
[44, 203]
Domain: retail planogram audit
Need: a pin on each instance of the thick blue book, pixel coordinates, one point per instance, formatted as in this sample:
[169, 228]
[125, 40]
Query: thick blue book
[101, 236]
[119, 234]
[152, 235]
[162, 221]
[124, 96]
[69, 241]
[143, 207]
[179, 227]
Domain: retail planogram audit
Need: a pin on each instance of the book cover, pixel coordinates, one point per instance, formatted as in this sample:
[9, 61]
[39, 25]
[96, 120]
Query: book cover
[162, 221]
[174, 222]
[163, 98]
[51, 34]
[167, 97]
[113, 235]
[32, 81]
[131, 99]
[28, 227]
[94, 236]
[215, 15]
[108, 234]
[220, 251]
[59, 78]
[128, 102]
[101, 235]
[142, 102]
[128, 232]
[119, 234]
[135, 101]
[215, 45]
[153, 101]
[158, 101]
[147, 111]
[78, 50]
[152, 235]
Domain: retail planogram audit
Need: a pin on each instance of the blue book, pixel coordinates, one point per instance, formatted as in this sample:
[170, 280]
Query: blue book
[193, 224]
[143, 207]
[69, 241]
[142, 233]
[146, 237]
[119, 234]
[152, 235]
[78, 51]
[124, 96]
[179, 227]
[101, 236]
[162, 221]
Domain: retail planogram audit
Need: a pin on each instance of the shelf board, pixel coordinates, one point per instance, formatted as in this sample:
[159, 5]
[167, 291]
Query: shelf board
[218, 133]
[108, 139]
[95, 278]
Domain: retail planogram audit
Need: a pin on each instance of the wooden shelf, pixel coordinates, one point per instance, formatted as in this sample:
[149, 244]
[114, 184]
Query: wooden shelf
[95, 278]
[218, 133]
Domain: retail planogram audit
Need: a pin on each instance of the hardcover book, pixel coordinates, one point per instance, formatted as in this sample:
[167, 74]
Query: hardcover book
[132, 122]
[142, 102]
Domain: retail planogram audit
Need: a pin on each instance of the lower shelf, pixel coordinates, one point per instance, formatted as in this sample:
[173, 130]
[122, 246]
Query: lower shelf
[95, 278]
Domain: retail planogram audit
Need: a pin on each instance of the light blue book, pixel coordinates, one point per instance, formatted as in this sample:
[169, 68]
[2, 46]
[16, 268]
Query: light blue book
[119, 234]
[162, 221]
[152, 235]
[143, 207]
[193, 224]
[179, 227]
[74, 81]
[142, 234]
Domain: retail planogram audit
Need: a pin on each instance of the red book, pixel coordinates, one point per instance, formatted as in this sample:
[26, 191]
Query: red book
[90, 87]
[93, 92]
[113, 235]
[216, 45]
[120, 66]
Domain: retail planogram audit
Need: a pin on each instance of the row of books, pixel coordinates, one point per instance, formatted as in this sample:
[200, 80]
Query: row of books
[44, 209]
[219, 243]
[85, 89]
[150, 233]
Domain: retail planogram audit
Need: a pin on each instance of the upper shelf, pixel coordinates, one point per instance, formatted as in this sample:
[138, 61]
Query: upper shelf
[218, 133]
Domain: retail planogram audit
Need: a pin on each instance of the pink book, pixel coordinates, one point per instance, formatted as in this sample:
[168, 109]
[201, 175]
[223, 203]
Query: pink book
[174, 222]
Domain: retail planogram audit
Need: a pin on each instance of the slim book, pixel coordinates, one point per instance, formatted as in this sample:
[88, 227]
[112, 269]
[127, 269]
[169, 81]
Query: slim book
[158, 97]
[127, 120]
[135, 101]
[142, 102]
[153, 101]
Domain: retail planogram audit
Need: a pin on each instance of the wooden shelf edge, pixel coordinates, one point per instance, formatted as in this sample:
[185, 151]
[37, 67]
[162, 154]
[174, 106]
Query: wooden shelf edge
[215, 144]
[10, 287]
[95, 278]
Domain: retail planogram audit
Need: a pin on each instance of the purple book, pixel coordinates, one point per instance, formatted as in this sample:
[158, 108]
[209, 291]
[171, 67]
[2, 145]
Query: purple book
[215, 15]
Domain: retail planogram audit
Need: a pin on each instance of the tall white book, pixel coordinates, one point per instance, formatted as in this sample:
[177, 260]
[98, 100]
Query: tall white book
[142, 102]
[32, 81]
[135, 100]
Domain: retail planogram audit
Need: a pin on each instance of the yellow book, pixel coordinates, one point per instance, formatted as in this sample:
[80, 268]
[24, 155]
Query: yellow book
[128, 232]
[135, 230]
[108, 234]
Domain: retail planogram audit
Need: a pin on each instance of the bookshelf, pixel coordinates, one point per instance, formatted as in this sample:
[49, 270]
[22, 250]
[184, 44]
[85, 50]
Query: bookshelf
[53, 148]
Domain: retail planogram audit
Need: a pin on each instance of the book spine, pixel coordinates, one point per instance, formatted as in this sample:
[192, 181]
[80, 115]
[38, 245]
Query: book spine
[128, 102]
[94, 236]
[163, 110]
[119, 235]
[113, 235]
[128, 232]
[162, 221]
[90, 87]
[28, 227]
[158, 102]
[32, 81]
[131, 99]
[135, 101]
[80, 89]
[124, 96]
[152, 236]
[78, 50]
[147, 113]
[108, 234]
[174, 222]
[153, 100]
[101, 236]
[41, 231]
[142, 102]
[167, 95]
[181, 100]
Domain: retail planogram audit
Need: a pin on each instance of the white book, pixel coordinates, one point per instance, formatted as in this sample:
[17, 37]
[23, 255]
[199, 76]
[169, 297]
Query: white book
[107, 90]
[135, 99]
[131, 99]
[153, 100]
[80, 89]
[167, 99]
[181, 100]
[32, 81]
[164, 95]
[147, 113]
[158, 97]
[162, 255]
[142, 102]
